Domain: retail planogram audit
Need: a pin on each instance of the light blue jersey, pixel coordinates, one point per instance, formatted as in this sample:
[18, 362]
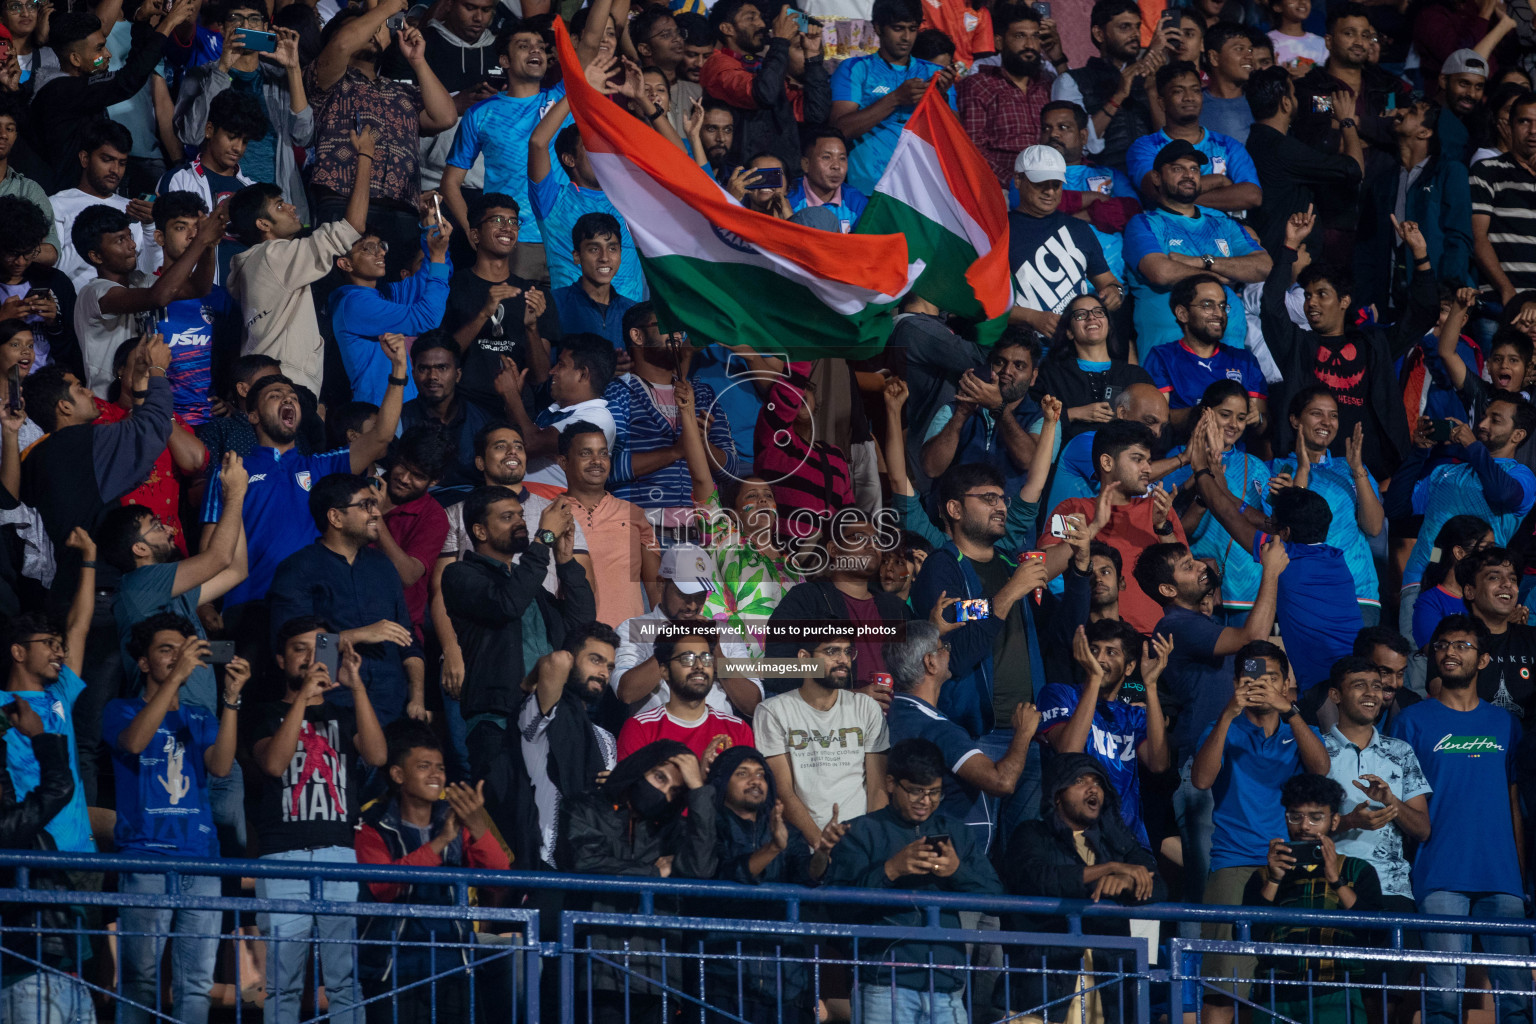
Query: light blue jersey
[1225, 155]
[55, 705]
[1208, 233]
[1240, 574]
[1335, 481]
[499, 128]
[863, 80]
[558, 203]
[1453, 490]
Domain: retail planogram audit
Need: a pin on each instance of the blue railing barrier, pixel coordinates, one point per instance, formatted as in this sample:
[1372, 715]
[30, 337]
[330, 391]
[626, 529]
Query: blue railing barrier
[814, 951]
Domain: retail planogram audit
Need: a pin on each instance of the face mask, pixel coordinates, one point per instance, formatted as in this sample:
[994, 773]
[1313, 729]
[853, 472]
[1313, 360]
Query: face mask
[649, 802]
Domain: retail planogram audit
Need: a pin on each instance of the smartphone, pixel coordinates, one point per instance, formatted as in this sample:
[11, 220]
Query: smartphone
[496, 75]
[1042, 8]
[13, 396]
[1322, 104]
[1059, 525]
[1170, 16]
[1254, 668]
[148, 197]
[437, 207]
[357, 123]
[1111, 392]
[942, 837]
[147, 321]
[41, 293]
[328, 652]
[768, 177]
[802, 20]
[221, 652]
[973, 609]
[1440, 431]
[396, 22]
[1308, 853]
[260, 42]
[1391, 101]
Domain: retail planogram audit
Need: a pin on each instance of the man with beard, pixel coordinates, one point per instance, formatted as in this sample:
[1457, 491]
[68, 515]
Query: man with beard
[660, 43]
[719, 137]
[1490, 587]
[1198, 679]
[347, 90]
[1000, 106]
[996, 658]
[1129, 513]
[440, 404]
[1179, 238]
[1387, 649]
[1102, 196]
[557, 751]
[276, 509]
[698, 44]
[825, 744]
[502, 617]
[1471, 865]
[1106, 571]
[753, 72]
[156, 578]
[824, 162]
[1232, 184]
[689, 664]
[1502, 238]
[989, 420]
[578, 384]
[345, 579]
[307, 746]
[626, 562]
[1463, 78]
[1183, 371]
[415, 525]
[1113, 86]
[1054, 257]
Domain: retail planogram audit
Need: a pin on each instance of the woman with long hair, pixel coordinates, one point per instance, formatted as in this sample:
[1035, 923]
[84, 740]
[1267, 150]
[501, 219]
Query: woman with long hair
[1086, 366]
[1439, 593]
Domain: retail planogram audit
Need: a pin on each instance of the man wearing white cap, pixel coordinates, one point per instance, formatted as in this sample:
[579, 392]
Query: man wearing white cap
[1053, 256]
[1463, 77]
[687, 574]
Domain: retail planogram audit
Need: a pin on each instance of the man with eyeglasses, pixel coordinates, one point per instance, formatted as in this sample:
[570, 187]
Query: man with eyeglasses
[1386, 796]
[1243, 758]
[689, 665]
[1184, 370]
[1473, 864]
[346, 580]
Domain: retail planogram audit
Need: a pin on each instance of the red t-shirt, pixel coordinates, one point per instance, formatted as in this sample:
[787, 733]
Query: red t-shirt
[706, 737]
[161, 490]
[1130, 533]
[871, 658]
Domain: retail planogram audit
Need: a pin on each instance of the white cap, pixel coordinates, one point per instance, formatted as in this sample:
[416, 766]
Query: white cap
[1041, 163]
[690, 568]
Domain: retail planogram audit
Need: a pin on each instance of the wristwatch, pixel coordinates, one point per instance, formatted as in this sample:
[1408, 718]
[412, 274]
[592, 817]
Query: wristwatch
[235, 706]
[1209, 261]
[1165, 529]
[1295, 712]
[545, 537]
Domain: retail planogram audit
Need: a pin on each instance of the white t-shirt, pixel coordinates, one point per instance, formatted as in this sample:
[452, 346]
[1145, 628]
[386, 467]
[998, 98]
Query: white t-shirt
[100, 333]
[826, 748]
[66, 207]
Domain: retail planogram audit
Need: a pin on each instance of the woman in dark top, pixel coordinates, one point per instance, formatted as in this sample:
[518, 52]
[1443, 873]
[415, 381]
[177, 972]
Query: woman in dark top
[1079, 369]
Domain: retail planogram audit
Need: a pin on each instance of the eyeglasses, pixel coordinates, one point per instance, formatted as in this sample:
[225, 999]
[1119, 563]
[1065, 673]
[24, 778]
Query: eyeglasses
[1211, 304]
[155, 523]
[665, 34]
[943, 647]
[13, 256]
[1441, 646]
[22, 6]
[1096, 313]
[499, 220]
[246, 20]
[988, 498]
[1312, 817]
[851, 653]
[922, 795]
[377, 248]
[53, 643]
[367, 505]
[692, 658]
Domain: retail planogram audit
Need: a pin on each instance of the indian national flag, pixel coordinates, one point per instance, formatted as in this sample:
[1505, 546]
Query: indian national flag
[722, 272]
[940, 193]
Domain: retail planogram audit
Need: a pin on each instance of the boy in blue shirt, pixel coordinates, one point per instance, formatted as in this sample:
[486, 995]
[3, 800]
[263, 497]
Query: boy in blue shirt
[1258, 742]
[592, 305]
[163, 752]
[873, 95]
[1178, 238]
[360, 313]
[1470, 864]
[1093, 719]
[188, 324]
[1184, 370]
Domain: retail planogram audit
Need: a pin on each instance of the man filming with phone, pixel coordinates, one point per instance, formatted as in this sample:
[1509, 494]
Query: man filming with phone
[307, 746]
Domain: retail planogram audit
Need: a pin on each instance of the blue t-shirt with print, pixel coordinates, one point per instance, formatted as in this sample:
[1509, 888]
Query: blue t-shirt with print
[1208, 233]
[1118, 729]
[912, 718]
[1240, 575]
[499, 128]
[1455, 489]
[1183, 374]
[1469, 759]
[188, 331]
[71, 827]
[863, 80]
[1335, 481]
[162, 792]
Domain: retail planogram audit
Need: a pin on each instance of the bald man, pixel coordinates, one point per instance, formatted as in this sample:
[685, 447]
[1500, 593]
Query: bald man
[1075, 476]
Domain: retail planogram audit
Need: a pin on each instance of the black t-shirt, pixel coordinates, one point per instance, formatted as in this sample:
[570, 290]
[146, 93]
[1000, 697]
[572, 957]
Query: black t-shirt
[1508, 680]
[314, 803]
[1075, 386]
[501, 335]
[1011, 680]
[1341, 365]
[1052, 259]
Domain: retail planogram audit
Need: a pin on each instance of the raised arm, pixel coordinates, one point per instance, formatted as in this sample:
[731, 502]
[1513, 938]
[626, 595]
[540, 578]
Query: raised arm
[78, 625]
[438, 113]
[370, 447]
[219, 553]
[138, 733]
[350, 38]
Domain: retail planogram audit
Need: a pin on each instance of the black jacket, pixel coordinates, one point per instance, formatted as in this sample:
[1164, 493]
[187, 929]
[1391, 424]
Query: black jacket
[771, 127]
[486, 600]
[40, 932]
[1099, 80]
[1295, 352]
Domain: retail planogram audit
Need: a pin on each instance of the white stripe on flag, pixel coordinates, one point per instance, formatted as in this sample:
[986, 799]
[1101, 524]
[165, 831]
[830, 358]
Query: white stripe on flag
[911, 177]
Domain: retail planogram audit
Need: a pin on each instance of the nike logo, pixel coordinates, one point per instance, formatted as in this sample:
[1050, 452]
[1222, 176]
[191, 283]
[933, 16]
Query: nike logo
[1291, 740]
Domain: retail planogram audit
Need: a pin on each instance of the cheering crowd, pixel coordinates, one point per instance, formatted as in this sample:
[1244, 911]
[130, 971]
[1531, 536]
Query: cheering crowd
[359, 505]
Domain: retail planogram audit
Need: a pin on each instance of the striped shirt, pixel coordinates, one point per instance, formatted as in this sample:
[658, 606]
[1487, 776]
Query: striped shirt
[642, 425]
[1505, 192]
[812, 476]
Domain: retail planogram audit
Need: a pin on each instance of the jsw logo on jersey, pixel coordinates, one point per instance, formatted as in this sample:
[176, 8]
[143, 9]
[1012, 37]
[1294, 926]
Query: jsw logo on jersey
[191, 339]
[1051, 277]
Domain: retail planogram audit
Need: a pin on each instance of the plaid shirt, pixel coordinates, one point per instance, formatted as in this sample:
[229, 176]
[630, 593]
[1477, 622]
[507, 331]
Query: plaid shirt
[999, 118]
[1309, 890]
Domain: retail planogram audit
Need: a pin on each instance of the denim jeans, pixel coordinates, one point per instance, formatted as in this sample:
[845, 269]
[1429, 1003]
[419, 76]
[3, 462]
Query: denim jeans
[47, 998]
[1445, 1007]
[195, 945]
[1020, 806]
[1192, 809]
[226, 799]
[883, 1005]
[458, 740]
[289, 944]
